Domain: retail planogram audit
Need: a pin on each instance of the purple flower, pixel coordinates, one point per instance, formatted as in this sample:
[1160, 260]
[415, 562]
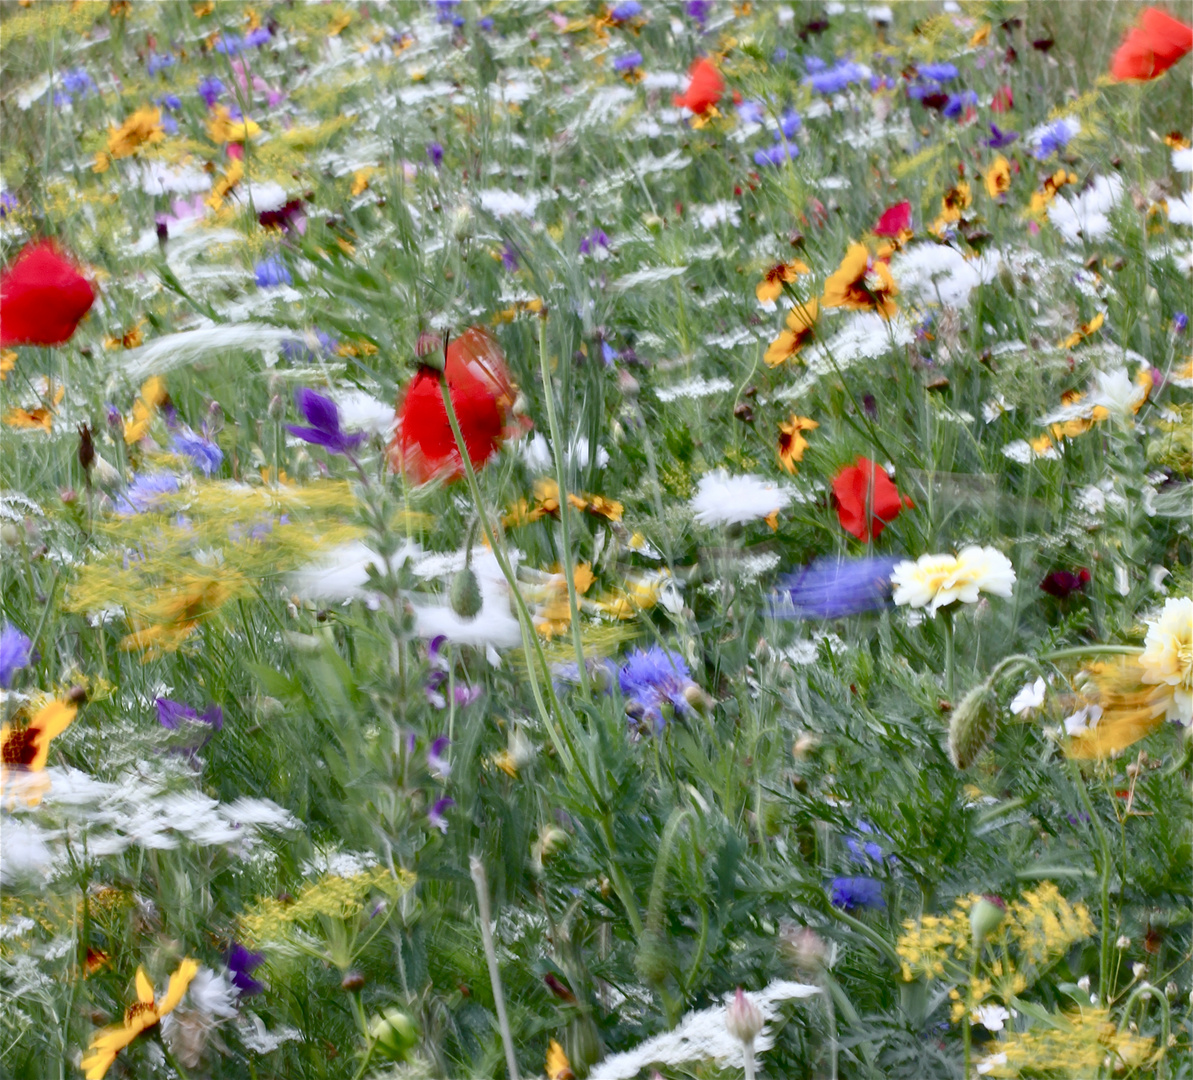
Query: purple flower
[776, 155]
[242, 963]
[651, 679]
[628, 61]
[833, 588]
[598, 238]
[324, 419]
[486, 24]
[436, 814]
[205, 454]
[751, 112]
[159, 63]
[439, 765]
[697, 11]
[172, 714]
[835, 79]
[957, 103]
[779, 55]
[789, 125]
[16, 651]
[256, 38]
[446, 12]
[145, 493]
[1053, 140]
[814, 65]
[435, 153]
[302, 350]
[1180, 321]
[210, 90]
[509, 257]
[8, 201]
[230, 44]
[272, 272]
[938, 72]
[998, 139]
[852, 893]
[626, 10]
[860, 849]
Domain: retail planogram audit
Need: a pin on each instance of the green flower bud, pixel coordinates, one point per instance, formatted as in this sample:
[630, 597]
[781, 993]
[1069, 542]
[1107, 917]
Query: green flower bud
[395, 1032]
[973, 725]
[653, 963]
[466, 594]
[984, 918]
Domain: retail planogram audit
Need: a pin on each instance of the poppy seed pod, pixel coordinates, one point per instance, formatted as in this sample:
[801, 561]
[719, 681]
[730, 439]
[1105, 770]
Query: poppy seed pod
[984, 918]
[395, 1033]
[972, 726]
[465, 594]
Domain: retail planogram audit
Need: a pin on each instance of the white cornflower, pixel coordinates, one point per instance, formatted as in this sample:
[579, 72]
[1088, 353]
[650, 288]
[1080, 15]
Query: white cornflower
[722, 499]
[1030, 697]
[935, 581]
[1167, 657]
[991, 1017]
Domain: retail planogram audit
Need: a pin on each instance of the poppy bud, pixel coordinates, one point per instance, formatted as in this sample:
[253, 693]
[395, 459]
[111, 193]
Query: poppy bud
[971, 726]
[984, 918]
[277, 407]
[86, 448]
[352, 980]
[465, 594]
[428, 343]
[652, 962]
[743, 1019]
[395, 1033]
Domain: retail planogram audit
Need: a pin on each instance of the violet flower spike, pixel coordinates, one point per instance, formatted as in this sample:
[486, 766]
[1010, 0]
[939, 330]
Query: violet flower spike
[440, 767]
[436, 814]
[324, 420]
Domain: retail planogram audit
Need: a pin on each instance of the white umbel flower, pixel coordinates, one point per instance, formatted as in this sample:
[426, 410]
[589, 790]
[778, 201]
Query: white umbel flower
[722, 499]
[935, 581]
[1030, 697]
[1168, 656]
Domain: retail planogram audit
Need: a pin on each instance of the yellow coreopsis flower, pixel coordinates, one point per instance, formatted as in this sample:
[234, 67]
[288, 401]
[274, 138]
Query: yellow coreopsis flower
[223, 129]
[801, 328]
[998, 178]
[771, 285]
[141, 1015]
[144, 126]
[26, 748]
[792, 443]
[861, 284]
[153, 393]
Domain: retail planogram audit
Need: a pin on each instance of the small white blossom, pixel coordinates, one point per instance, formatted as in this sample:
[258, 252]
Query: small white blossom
[1030, 697]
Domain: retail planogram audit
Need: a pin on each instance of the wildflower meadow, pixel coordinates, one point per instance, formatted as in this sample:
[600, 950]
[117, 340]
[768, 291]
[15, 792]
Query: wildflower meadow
[611, 540]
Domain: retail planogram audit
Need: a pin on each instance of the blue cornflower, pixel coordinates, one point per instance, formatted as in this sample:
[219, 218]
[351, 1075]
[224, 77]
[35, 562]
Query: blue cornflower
[789, 125]
[16, 652]
[435, 153]
[957, 103]
[627, 62]
[242, 963]
[145, 493]
[205, 454]
[446, 12]
[834, 588]
[626, 10]
[938, 72]
[230, 44]
[860, 849]
[698, 10]
[272, 272]
[256, 38]
[835, 79]
[751, 112]
[1055, 138]
[1180, 322]
[486, 24]
[302, 350]
[776, 155]
[651, 679]
[78, 82]
[173, 714]
[998, 138]
[324, 419]
[170, 101]
[210, 90]
[852, 893]
[158, 63]
[814, 64]
[779, 55]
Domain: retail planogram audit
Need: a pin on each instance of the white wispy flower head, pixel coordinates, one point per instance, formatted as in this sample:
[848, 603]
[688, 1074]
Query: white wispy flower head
[1182, 160]
[722, 499]
[1117, 393]
[1167, 657]
[508, 203]
[210, 1000]
[1030, 697]
[935, 581]
[1086, 217]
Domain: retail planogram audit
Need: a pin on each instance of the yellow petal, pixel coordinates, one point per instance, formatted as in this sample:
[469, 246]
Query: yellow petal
[179, 981]
[144, 988]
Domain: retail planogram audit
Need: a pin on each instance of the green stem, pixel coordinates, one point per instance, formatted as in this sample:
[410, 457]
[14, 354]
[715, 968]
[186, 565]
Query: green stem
[558, 448]
[950, 665]
[1104, 987]
[1138, 995]
[966, 1026]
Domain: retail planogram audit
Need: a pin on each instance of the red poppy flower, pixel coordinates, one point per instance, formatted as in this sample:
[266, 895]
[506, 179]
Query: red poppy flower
[894, 220]
[705, 87]
[867, 501]
[42, 297]
[1151, 48]
[482, 395]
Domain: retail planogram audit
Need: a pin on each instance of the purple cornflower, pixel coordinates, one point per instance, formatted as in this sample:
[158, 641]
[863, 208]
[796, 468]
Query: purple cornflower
[169, 101]
[272, 272]
[598, 238]
[776, 155]
[16, 651]
[230, 44]
[1180, 321]
[651, 679]
[210, 90]
[835, 79]
[628, 61]
[158, 63]
[852, 893]
[242, 963]
[439, 766]
[145, 493]
[78, 82]
[205, 454]
[834, 588]
[958, 103]
[938, 72]
[1054, 139]
[436, 814]
[698, 11]
[324, 419]
[173, 714]
[998, 138]
[435, 153]
[8, 201]
[256, 38]
[789, 125]
[626, 10]
[509, 257]
[751, 112]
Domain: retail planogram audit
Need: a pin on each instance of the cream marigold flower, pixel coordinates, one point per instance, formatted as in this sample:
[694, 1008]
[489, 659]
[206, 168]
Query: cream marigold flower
[935, 581]
[1168, 656]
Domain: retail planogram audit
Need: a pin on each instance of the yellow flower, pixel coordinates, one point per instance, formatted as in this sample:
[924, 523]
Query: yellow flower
[220, 190]
[223, 129]
[771, 286]
[980, 36]
[360, 180]
[1084, 330]
[792, 443]
[558, 1066]
[861, 284]
[144, 126]
[801, 326]
[8, 361]
[27, 748]
[141, 1015]
[1167, 657]
[998, 178]
[153, 393]
[955, 202]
